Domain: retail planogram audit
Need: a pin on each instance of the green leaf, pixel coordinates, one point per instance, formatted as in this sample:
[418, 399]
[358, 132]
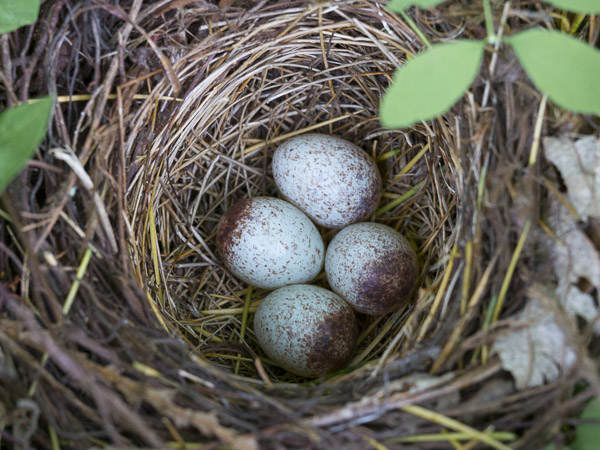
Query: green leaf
[21, 131]
[16, 13]
[587, 435]
[553, 447]
[561, 66]
[430, 83]
[402, 5]
[578, 6]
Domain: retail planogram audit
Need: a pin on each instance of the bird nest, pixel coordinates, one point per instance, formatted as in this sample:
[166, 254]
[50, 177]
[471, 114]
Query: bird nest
[119, 323]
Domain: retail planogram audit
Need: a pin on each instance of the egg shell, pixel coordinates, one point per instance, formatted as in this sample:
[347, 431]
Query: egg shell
[373, 267]
[269, 243]
[332, 180]
[307, 330]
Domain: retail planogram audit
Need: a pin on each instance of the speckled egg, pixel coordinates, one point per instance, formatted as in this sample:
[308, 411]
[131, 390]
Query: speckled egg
[269, 243]
[307, 330]
[332, 180]
[373, 267]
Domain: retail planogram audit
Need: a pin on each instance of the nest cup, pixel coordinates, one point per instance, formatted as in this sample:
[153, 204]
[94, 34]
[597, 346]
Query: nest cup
[301, 70]
[157, 344]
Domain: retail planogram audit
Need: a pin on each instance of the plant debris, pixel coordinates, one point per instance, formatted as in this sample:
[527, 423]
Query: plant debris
[579, 164]
[576, 260]
[541, 351]
[169, 112]
[537, 353]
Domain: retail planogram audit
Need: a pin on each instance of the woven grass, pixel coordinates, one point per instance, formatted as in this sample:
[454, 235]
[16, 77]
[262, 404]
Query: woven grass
[169, 113]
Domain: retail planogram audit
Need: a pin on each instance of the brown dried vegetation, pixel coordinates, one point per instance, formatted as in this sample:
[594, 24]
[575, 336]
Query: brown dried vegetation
[183, 105]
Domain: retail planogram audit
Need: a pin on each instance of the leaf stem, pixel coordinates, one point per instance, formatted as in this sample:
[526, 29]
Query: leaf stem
[415, 28]
[489, 22]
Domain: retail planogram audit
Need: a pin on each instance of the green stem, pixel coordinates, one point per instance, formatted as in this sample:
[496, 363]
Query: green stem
[415, 28]
[489, 22]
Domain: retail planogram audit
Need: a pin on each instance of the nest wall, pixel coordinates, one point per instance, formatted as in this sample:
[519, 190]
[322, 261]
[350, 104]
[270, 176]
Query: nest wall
[187, 103]
[326, 72]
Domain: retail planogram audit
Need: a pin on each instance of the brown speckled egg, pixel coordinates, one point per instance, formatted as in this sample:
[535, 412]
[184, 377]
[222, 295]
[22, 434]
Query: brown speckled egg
[373, 267]
[332, 180]
[307, 330]
[269, 243]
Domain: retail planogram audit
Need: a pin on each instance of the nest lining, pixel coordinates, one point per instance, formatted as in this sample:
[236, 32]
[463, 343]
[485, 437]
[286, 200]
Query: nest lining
[323, 70]
[164, 170]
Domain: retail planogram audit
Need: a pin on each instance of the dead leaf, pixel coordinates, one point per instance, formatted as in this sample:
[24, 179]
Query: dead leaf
[574, 255]
[578, 303]
[538, 352]
[579, 165]
[574, 258]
